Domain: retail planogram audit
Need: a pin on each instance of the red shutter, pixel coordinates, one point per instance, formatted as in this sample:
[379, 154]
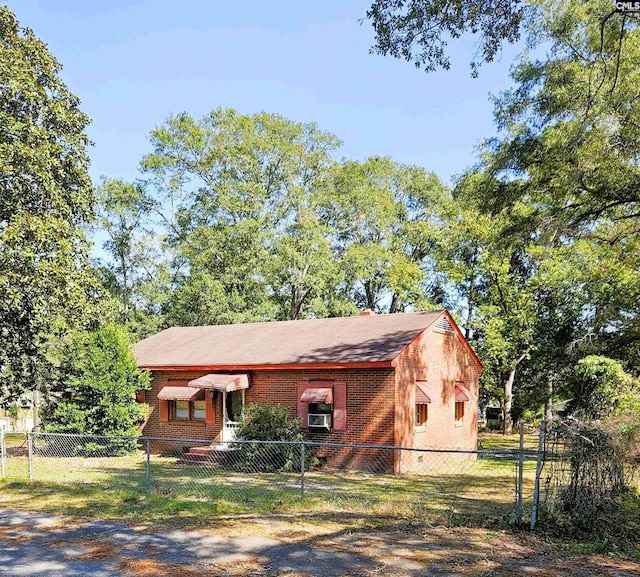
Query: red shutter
[210, 414]
[339, 406]
[163, 410]
[303, 408]
[141, 396]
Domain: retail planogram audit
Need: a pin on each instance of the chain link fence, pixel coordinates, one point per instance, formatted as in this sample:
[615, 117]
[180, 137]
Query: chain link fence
[483, 487]
[590, 480]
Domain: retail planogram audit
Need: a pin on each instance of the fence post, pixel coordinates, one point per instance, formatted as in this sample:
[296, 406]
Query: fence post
[302, 471]
[536, 487]
[147, 472]
[3, 452]
[520, 476]
[30, 453]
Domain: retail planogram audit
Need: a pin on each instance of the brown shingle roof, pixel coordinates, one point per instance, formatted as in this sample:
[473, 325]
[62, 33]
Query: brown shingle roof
[345, 340]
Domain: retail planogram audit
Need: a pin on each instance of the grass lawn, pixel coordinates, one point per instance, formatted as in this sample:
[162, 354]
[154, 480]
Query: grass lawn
[496, 441]
[460, 511]
[12, 440]
[387, 543]
[477, 492]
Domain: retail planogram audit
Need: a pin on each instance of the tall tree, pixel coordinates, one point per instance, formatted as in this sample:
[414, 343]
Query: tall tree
[384, 219]
[568, 152]
[46, 200]
[418, 30]
[570, 123]
[493, 276]
[123, 214]
[240, 181]
[569, 147]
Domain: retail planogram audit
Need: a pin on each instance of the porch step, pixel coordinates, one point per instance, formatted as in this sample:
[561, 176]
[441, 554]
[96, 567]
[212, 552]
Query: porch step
[212, 456]
[209, 449]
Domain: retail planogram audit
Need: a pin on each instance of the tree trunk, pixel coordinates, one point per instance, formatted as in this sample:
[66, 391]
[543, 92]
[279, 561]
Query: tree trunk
[369, 293]
[470, 301]
[35, 401]
[467, 328]
[507, 423]
[548, 414]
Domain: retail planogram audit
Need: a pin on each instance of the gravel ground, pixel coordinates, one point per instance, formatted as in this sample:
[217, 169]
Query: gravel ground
[37, 544]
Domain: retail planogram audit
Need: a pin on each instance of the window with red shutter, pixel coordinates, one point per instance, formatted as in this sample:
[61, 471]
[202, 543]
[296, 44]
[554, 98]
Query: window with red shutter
[163, 411]
[337, 410]
[210, 416]
[339, 406]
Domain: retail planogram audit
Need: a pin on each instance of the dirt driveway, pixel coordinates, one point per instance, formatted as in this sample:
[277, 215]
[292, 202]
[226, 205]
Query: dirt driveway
[43, 545]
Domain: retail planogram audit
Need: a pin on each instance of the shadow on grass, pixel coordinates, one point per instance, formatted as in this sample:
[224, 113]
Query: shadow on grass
[474, 492]
[468, 499]
[349, 544]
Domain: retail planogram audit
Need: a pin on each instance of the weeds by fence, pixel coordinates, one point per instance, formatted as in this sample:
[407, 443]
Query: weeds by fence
[590, 484]
[470, 487]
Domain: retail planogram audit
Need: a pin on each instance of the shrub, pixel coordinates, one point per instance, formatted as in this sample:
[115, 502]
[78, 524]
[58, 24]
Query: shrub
[599, 494]
[14, 415]
[99, 396]
[267, 423]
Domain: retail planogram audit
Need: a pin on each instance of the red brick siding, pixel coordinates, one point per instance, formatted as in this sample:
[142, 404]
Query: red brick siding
[380, 403]
[370, 397]
[440, 359]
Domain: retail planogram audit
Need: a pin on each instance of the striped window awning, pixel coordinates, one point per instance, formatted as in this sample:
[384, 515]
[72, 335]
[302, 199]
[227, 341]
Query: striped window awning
[423, 394]
[180, 394]
[462, 393]
[317, 395]
[221, 382]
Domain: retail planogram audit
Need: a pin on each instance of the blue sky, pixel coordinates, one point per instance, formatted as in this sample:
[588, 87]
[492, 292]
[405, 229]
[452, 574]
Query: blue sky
[133, 62]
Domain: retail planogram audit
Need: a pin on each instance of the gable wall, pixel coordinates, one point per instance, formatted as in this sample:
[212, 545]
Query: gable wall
[440, 359]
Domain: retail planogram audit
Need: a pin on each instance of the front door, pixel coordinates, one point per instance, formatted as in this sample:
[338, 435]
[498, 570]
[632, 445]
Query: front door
[232, 409]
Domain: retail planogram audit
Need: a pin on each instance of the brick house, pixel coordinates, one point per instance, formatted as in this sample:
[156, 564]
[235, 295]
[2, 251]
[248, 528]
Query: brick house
[406, 379]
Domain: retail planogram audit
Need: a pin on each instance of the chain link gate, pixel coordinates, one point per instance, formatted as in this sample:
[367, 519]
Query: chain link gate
[14, 459]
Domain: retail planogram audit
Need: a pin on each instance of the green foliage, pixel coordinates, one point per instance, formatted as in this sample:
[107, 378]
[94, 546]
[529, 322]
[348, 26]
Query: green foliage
[267, 422]
[418, 30]
[559, 187]
[600, 387]
[14, 414]
[384, 220]
[46, 199]
[242, 192]
[99, 396]
[123, 213]
[263, 224]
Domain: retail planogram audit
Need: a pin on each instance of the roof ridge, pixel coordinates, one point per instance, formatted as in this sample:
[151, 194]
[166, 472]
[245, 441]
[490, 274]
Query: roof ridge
[375, 316]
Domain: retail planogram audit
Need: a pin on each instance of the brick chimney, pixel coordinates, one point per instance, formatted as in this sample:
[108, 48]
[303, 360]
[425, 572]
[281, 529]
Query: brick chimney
[366, 313]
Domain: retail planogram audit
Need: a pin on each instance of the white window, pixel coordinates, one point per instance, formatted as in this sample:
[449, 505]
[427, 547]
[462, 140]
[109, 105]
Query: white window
[198, 410]
[181, 410]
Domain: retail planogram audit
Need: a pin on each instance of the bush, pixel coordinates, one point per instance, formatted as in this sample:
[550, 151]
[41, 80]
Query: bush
[267, 424]
[600, 493]
[14, 415]
[99, 396]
